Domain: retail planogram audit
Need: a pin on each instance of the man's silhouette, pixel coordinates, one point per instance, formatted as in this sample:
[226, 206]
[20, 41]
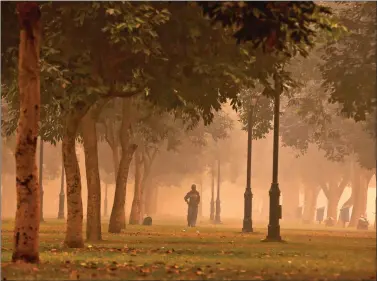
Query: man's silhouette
[192, 198]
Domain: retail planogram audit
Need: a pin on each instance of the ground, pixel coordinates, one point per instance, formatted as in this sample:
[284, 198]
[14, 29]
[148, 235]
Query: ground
[168, 251]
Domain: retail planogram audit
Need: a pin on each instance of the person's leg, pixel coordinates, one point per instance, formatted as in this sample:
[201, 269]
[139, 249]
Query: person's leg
[189, 216]
[194, 215]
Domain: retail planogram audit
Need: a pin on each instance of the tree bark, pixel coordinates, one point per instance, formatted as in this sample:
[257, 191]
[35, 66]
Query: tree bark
[146, 188]
[89, 133]
[136, 203]
[333, 191]
[117, 217]
[26, 230]
[359, 194]
[311, 193]
[113, 140]
[73, 235]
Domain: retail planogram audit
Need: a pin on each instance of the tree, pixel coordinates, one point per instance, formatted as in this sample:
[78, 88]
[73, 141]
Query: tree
[351, 75]
[86, 78]
[309, 118]
[287, 27]
[26, 232]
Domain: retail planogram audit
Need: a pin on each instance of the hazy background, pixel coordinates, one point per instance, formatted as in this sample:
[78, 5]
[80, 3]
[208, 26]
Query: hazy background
[170, 199]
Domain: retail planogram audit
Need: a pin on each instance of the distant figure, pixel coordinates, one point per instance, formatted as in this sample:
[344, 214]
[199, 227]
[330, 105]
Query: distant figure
[147, 221]
[192, 198]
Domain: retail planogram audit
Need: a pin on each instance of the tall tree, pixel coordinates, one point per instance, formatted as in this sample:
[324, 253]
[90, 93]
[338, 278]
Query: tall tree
[26, 231]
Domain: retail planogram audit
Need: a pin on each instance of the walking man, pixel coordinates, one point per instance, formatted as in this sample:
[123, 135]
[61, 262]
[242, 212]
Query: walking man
[192, 198]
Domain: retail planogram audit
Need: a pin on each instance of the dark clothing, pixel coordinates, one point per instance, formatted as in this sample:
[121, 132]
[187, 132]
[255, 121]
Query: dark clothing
[193, 199]
[192, 215]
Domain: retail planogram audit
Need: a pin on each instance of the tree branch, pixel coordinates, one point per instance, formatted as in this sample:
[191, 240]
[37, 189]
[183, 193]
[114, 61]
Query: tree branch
[325, 189]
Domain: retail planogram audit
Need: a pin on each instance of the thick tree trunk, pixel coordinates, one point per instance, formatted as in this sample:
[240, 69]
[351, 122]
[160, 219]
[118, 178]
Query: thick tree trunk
[332, 205]
[136, 203]
[333, 191]
[311, 193]
[73, 235]
[26, 230]
[117, 218]
[146, 186]
[89, 133]
[359, 194]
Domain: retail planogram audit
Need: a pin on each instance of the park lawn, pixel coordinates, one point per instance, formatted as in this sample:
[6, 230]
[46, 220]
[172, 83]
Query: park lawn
[206, 252]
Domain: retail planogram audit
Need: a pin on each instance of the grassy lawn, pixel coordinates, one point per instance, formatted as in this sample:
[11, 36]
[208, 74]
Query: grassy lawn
[166, 251]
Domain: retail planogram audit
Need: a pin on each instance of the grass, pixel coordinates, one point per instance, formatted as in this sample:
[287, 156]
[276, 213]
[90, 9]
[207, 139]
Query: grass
[166, 251]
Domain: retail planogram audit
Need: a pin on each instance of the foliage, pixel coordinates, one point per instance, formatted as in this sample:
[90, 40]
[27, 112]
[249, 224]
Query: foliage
[286, 27]
[349, 68]
[75, 73]
[310, 119]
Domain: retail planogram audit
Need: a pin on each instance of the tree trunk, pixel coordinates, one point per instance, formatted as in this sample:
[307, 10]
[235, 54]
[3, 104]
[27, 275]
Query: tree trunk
[136, 203]
[73, 235]
[291, 200]
[154, 200]
[117, 218]
[150, 194]
[332, 205]
[89, 134]
[311, 193]
[359, 194]
[333, 191]
[26, 230]
[113, 141]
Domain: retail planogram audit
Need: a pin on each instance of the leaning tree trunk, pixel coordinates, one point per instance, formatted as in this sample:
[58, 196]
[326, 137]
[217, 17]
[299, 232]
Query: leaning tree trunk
[311, 193]
[26, 230]
[73, 235]
[89, 133]
[136, 203]
[117, 218]
[113, 141]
